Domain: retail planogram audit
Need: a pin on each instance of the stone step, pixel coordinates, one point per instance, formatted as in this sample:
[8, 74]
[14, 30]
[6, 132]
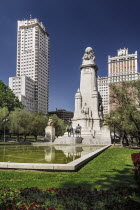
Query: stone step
[68, 140]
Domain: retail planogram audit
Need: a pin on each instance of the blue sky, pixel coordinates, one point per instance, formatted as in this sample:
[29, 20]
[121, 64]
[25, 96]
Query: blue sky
[73, 25]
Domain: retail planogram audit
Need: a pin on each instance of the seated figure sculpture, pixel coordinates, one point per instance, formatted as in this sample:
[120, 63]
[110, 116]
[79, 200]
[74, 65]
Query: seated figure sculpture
[50, 122]
[89, 57]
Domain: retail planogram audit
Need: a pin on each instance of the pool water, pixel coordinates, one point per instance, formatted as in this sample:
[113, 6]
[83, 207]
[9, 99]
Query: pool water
[43, 154]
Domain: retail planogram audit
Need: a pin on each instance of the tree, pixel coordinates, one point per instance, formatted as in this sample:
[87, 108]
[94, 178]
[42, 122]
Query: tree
[27, 123]
[125, 120]
[126, 93]
[38, 124]
[4, 117]
[20, 121]
[8, 98]
[59, 125]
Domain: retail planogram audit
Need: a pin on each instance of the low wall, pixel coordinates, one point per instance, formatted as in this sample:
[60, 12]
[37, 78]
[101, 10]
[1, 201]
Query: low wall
[72, 166]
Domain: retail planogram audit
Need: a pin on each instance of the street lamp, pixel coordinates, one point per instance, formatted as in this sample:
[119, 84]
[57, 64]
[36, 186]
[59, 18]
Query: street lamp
[5, 121]
[114, 134]
[113, 124]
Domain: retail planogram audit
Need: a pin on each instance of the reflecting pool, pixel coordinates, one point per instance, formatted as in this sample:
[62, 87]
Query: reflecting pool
[43, 154]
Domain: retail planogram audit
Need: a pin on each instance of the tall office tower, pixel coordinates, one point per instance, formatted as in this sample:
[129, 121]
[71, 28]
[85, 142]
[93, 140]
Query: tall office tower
[33, 60]
[123, 67]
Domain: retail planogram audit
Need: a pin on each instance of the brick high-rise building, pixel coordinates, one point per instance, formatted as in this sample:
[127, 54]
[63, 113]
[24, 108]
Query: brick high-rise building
[123, 67]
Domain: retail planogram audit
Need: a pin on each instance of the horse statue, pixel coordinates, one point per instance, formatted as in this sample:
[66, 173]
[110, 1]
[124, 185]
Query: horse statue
[78, 130]
[69, 129]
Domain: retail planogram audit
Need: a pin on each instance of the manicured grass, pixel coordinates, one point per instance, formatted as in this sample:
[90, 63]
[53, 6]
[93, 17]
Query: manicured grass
[111, 169]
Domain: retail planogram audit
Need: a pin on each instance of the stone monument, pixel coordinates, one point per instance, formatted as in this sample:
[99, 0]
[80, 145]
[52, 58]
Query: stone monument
[88, 113]
[50, 131]
[86, 99]
[88, 106]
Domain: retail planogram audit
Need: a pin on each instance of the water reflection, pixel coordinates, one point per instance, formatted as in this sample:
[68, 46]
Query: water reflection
[41, 154]
[70, 152]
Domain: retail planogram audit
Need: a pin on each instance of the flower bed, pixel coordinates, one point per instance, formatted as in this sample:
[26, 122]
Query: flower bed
[70, 198]
[136, 161]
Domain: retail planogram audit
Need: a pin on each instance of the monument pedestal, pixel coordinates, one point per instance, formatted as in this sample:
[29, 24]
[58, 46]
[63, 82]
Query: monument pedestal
[69, 140]
[86, 129]
[97, 125]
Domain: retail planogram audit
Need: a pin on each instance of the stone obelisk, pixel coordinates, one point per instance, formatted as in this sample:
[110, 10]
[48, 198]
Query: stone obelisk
[87, 97]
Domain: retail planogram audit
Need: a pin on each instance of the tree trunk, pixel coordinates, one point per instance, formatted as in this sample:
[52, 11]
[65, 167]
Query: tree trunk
[17, 137]
[131, 141]
[35, 137]
[122, 143]
[24, 137]
[126, 139]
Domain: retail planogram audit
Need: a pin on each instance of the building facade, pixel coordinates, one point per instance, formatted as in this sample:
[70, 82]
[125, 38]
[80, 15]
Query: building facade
[123, 67]
[23, 87]
[33, 62]
[103, 88]
[63, 114]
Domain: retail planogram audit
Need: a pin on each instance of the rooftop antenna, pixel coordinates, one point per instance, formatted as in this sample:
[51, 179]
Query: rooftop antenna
[30, 17]
[123, 45]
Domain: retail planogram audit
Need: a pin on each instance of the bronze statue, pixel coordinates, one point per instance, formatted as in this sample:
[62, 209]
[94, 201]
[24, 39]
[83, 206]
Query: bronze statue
[78, 130]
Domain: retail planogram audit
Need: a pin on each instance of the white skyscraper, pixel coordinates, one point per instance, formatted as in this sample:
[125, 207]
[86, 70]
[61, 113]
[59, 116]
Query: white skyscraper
[32, 62]
[103, 88]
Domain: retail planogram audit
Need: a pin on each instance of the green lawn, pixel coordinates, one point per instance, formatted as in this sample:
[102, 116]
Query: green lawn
[111, 169]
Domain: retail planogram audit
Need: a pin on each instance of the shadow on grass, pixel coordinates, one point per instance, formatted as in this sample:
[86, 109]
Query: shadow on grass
[121, 192]
[71, 184]
[118, 178]
[110, 179]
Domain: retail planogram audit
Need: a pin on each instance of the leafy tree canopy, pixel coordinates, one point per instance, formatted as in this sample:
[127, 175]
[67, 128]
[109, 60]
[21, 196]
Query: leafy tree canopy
[125, 93]
[19, 122]
[59, 125]
[3, 116]
[8, 98]
[38, 122]
[125, 119]
[26, 123]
